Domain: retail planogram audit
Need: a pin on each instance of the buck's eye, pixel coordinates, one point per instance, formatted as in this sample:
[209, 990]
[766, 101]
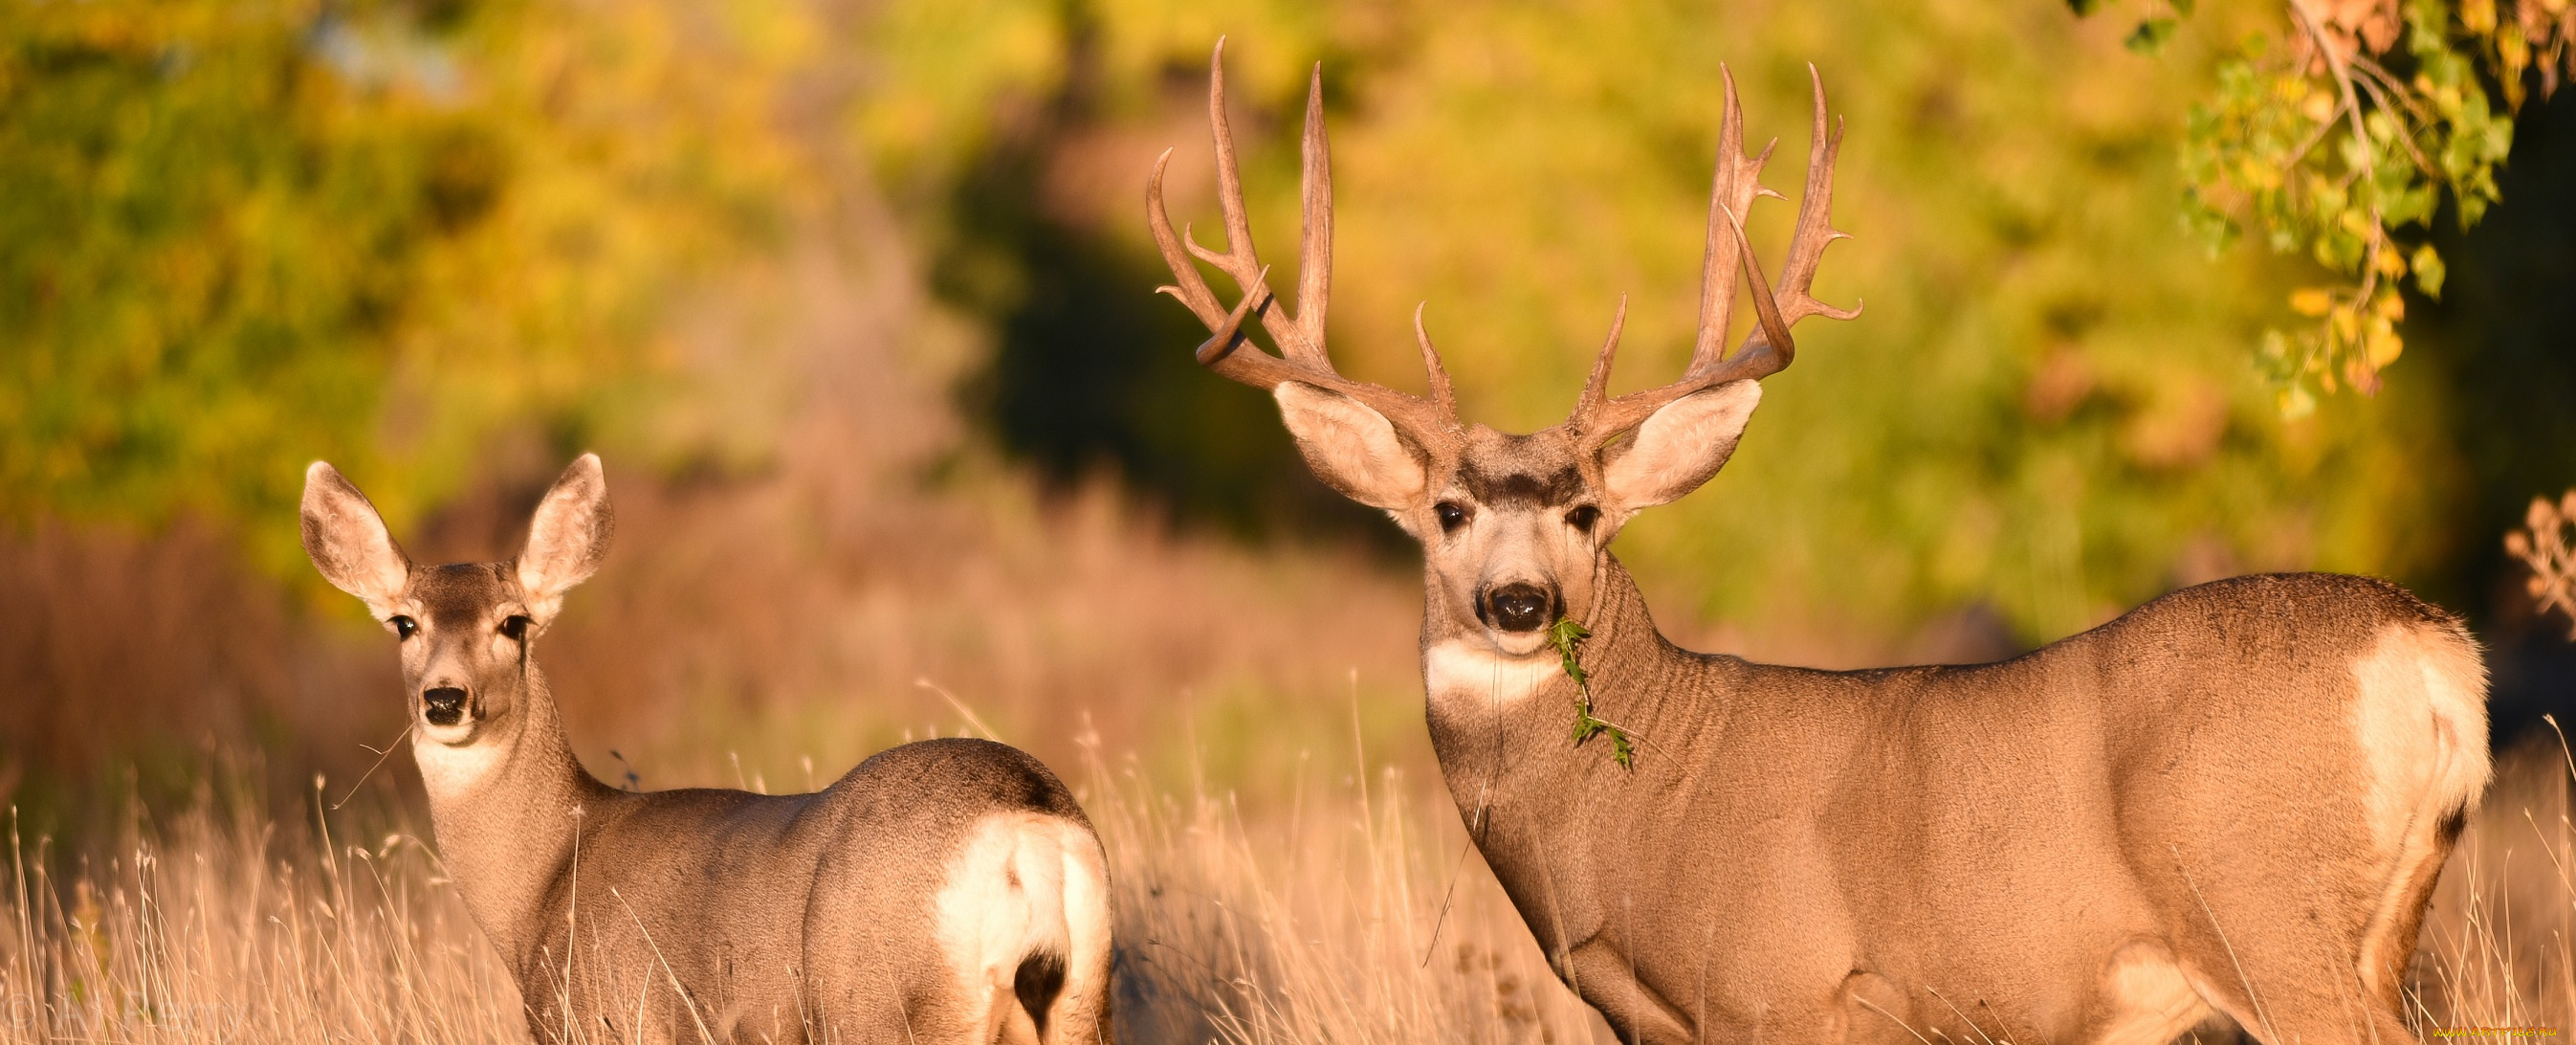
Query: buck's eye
[1452, 516]
[1582, 517]
[404, 627]
[516, 627]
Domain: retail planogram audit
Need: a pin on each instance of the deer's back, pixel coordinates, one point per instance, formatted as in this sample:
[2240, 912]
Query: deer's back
[754, 901]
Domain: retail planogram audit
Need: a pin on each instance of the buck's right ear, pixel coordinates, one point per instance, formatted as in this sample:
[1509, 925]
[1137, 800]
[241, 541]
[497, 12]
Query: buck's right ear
[1351, 447]
[347, 540]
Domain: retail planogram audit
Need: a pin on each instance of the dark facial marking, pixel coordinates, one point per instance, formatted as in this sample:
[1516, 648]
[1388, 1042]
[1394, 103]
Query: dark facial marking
[1522, 489]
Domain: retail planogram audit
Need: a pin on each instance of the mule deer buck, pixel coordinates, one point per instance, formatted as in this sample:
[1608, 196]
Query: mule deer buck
[2232, 801]
[943, 891]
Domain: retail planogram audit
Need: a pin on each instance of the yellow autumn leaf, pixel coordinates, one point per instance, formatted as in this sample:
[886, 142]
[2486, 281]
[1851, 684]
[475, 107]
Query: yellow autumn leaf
[2383, 345]
[2391, 264]
[2478, 16]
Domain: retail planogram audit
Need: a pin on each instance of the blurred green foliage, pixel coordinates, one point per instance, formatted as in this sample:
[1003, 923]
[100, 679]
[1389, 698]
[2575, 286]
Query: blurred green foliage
[2326, 150]
[2046, 409]
[237, 235]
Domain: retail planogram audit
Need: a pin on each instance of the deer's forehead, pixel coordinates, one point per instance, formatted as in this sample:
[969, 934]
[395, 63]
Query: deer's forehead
[1533, 471]
[462, 594]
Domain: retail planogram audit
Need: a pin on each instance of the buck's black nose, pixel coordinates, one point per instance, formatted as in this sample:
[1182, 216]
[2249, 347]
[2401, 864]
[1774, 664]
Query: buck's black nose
[1519, 607]
[446, 705]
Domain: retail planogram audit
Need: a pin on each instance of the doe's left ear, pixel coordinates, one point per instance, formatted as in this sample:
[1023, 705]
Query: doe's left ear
[568, 537]
[1679, 446]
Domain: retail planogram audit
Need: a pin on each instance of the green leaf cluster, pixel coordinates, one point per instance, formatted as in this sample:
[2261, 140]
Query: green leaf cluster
[247, 233]
[238, 235]
[1566, 635]
[2346, 156]
[2047, 408]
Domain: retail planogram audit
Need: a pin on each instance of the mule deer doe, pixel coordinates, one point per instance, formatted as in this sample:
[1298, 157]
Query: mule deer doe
[943, 891]
[2233, 800]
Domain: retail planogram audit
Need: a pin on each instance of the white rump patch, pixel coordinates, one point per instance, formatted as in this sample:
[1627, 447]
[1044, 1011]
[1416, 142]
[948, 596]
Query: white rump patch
[2420, 717]
[1023, 884]
[1467, 669]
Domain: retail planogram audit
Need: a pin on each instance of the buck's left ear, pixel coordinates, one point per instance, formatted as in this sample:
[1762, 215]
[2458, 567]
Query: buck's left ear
[1680, 446]
[568, 537]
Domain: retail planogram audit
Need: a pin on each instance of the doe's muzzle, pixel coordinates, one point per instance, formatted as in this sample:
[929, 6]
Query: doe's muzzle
[445, 704]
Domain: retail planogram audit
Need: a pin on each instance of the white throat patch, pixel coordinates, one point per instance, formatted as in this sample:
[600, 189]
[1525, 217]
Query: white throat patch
[1464, 669]
[452, 773]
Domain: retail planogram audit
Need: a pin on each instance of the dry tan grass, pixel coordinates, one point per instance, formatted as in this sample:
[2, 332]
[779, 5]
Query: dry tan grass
[1319, 924]
[2497, 950]
[1320, 921]
[804, 597]
[222, 926]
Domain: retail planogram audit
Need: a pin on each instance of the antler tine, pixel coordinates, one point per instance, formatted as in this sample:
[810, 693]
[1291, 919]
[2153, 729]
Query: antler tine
[1315, 248]
[1239, 252]
[1188, 286]
[1734, 186]
[1815, 233]
[1431, 423]
[1442, 395]
[1769, 348]
[1596, 388]
[1241, 260]
[1772, 351]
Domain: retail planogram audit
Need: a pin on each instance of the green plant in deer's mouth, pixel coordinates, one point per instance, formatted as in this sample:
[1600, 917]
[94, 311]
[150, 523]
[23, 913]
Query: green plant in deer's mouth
[1568, 633]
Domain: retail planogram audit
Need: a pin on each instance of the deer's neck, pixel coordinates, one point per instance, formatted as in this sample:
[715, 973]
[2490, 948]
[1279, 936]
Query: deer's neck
[1474, 692]
[510, 812]
[1503, 727]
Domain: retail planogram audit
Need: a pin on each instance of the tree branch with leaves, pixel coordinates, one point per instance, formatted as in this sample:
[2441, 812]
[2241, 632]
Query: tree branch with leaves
[2341, 136]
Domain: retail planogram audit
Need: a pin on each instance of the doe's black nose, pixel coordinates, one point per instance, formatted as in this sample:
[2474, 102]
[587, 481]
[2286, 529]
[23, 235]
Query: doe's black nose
[1519, 607]
[446, 705]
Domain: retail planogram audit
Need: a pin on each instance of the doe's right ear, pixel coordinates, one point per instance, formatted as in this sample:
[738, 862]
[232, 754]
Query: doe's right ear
[347, 540]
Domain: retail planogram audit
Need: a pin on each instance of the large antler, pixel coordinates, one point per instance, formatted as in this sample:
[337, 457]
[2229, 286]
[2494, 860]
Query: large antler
[1431, 423]
[1768, 349]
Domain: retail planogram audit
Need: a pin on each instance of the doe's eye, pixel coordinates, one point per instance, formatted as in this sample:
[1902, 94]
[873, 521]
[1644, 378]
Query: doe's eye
[1582, 517]
[404, 627]
[516, 627]
[1451, 515]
